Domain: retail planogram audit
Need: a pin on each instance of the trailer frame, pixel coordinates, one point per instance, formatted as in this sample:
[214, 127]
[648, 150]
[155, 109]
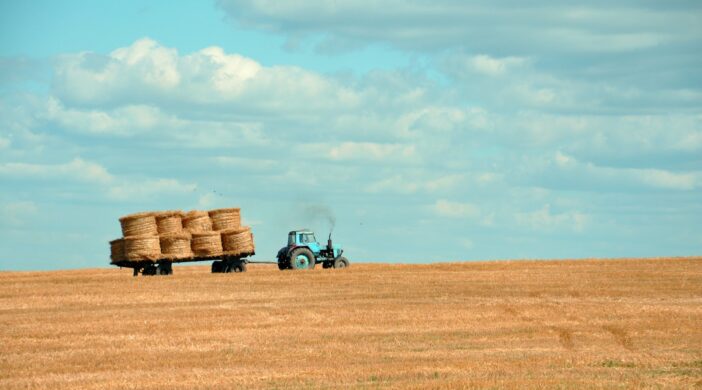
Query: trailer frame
[164, 266]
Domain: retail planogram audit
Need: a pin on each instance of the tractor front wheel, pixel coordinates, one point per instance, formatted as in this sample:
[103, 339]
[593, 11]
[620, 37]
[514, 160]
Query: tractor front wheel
[302, 258]
[341, 262]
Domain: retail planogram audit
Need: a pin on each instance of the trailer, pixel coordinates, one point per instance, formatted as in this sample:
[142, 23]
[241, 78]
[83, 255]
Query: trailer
[220, 264]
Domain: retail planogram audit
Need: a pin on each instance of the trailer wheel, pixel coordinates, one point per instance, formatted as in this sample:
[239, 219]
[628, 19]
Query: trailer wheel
[217, 267]
[301, 258]
[149, 270]
[282, 265]
[341, 262]
[237, 267]
[164, 269]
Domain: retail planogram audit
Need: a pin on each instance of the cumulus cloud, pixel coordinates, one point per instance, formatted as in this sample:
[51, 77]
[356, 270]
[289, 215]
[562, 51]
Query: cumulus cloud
[76, 170]
[418, 180]
[18, 212]
[360, 151]
[545, 219]
[494, 66]
[449, 209]
[97, 176]
[565, 170]
[147, 73]
[125, 120]
[147, 188]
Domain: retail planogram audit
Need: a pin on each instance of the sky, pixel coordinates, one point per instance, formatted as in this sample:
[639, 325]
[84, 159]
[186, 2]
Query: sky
[428, 131]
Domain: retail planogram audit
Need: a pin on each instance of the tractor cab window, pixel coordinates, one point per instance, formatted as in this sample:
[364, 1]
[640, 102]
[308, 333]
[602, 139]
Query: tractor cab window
[291, 239]
[308, 238]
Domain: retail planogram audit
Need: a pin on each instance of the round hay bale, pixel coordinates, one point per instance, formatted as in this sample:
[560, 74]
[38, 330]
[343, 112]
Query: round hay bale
[205, 244]
[237, 241]
[169, 222]
[139, 224]
[142, 248]
[176, 245]
[117, 250]
[197, 222]
[224, 219]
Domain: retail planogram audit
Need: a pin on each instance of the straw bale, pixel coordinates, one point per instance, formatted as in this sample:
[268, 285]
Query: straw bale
[176, 245]
[206, 244]
[139, 224]
[224, 219]
[197, 222]
[117, 250]
[169, 222]
[142, 248]
[237, 241]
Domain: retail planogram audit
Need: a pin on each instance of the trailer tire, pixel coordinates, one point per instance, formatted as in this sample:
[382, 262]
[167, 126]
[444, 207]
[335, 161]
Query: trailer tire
[282, 265]
[341, 262]
[217, 267]
[237, 267]
[301, 259]
[149, 270]
[164, 269]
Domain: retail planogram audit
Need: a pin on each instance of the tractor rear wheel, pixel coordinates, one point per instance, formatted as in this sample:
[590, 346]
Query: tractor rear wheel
[341, 262]
[301, 258]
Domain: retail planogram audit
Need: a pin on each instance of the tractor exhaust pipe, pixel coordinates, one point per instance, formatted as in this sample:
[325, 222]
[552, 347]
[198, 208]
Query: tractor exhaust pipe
[330, 248]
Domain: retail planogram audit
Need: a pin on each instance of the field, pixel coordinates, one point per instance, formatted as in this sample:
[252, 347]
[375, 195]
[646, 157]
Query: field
[511, 324]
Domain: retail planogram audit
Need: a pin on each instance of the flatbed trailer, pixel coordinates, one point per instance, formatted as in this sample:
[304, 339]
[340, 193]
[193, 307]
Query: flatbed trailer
[164, 266]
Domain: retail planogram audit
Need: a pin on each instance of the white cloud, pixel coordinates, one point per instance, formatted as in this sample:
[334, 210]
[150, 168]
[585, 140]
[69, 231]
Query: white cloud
[247, 164]
[18, 213]
[94, 174]
[147, 73]
[147, 188]
[544, 219]
[125, 120]
[614, 177]
[393, 184]
[5, 143]
[518, 26]
[494, 66]
[467, 243]
[77, 170]
[360, 151]
[449, 209]
[416, 181]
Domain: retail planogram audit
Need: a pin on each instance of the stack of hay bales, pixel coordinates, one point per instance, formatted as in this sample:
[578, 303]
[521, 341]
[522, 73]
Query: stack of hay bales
[140, 240]
[237, 241]
[174, 235]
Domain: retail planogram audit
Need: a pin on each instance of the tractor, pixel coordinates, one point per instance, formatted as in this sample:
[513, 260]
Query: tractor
[304, 252]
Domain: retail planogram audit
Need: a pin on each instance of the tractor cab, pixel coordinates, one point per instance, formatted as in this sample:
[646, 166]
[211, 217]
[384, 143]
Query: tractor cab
[304, 238]
[303, 252]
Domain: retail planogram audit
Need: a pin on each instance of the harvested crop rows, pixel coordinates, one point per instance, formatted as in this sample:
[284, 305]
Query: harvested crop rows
[520, 324]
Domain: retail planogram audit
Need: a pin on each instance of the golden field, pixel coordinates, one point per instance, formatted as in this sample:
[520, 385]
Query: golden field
[508, 324]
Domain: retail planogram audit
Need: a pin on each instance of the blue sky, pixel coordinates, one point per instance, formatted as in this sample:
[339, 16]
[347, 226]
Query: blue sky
[437, 131]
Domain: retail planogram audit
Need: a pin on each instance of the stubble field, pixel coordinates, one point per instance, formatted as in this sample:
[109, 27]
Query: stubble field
[521, 324]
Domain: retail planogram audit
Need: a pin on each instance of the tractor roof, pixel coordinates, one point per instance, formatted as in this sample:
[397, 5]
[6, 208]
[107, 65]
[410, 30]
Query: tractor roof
[300, 231]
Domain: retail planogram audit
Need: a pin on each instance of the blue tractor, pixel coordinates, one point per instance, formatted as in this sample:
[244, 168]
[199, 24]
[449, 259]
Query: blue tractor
[304, 252]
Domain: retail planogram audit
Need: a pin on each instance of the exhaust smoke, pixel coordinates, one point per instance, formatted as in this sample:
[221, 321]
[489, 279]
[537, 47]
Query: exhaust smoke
[319, 212]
